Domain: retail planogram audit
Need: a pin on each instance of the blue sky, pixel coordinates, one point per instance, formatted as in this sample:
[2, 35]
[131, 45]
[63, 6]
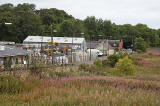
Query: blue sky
[118, 11]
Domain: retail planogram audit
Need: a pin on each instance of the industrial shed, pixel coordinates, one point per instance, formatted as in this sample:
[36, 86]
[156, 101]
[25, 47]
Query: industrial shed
[69, 42]
[11, 56]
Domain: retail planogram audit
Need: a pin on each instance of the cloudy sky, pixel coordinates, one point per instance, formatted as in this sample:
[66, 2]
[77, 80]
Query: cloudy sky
[118, 11]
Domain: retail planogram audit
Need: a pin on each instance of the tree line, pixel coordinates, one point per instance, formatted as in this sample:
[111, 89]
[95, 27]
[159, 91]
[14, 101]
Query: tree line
[27, 20]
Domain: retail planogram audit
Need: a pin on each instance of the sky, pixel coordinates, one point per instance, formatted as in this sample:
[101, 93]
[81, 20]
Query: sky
[118, 11]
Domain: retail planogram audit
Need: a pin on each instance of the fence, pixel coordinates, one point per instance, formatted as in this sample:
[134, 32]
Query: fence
[75, 58]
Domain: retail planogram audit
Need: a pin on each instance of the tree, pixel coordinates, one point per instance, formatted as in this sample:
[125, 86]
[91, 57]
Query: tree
[90, 24]
[25, 7]
[156, 40]
[107, 29]
[27, 20]
[6, 7]
[140, 45]
[66, 28]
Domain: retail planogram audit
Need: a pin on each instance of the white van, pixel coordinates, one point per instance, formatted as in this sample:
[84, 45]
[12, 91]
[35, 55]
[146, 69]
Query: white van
[98, 52]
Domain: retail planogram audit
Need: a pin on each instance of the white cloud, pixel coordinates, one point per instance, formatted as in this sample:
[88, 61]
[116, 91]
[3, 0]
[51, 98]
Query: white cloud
[118, 11]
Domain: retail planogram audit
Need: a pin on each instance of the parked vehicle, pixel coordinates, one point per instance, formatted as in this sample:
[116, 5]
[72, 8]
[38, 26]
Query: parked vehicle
[98, 52]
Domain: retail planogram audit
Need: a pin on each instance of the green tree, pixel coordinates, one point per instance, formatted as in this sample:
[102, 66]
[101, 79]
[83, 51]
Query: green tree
[107, 29]
[140, 45]
[27, 20]
[67, 28]
[90, 24]
[156, 40]
[6, 7]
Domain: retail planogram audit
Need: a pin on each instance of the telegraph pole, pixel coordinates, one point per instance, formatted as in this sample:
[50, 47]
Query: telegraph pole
[51, 44]
[72, 50]
[90, 49]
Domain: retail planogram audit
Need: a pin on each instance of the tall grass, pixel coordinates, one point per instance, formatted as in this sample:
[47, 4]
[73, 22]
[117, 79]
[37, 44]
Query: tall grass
[87, 85]
[12, 85]
[9, 84]
[86, 91]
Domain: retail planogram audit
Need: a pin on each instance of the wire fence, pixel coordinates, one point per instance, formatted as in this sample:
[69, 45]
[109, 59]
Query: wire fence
[40, 61]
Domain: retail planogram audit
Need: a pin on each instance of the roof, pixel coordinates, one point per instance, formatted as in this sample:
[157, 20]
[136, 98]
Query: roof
[93, 44]
[107, 43]
[37, 39]
[6, 51]
[114, 43]
[6, 43]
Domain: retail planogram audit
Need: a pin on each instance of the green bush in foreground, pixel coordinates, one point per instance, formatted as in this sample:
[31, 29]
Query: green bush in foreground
[124, 66]
[98, 63]
[113, 59]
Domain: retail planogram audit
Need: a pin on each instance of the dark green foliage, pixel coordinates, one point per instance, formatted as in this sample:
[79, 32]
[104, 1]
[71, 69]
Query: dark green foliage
[140, 45]
[113, 59]
[26, 20]
[8, 63]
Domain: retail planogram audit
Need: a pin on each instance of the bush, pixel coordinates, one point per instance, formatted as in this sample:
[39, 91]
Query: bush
[98, 63]
[38, 67]
[113, 59]
[124, 66]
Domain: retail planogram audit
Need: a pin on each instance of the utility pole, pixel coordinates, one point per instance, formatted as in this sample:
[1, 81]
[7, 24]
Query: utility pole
[83, 46]
[51, 44]
[72, 50]
[108, 44]
[41, 46]
[90, 49]
[132, 43]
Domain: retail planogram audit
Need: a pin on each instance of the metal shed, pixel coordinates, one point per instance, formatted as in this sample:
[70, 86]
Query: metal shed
[71, 42]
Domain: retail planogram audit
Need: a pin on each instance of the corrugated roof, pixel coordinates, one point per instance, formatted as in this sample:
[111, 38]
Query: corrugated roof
[98, 44]
[6, 51]
[37, 39]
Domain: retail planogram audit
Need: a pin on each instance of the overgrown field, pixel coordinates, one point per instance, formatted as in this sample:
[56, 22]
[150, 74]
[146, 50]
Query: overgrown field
[87, 86]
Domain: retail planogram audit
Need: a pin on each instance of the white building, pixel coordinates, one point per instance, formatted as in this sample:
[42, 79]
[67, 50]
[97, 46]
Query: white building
[74, 43]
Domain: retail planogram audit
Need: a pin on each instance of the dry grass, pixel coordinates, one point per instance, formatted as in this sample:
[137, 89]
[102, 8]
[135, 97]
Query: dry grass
[83, 89]
[86, 91]
[149, 66]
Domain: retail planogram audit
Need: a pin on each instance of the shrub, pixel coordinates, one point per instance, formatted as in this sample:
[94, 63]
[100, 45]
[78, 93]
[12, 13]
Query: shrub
[113, 59]
[98, 63]
[38, 67]
[124, 66]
